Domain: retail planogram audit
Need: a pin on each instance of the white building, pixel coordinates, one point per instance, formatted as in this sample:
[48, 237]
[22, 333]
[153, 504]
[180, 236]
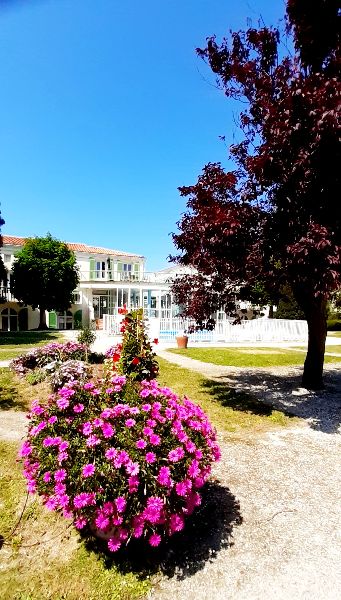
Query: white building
[109, 279]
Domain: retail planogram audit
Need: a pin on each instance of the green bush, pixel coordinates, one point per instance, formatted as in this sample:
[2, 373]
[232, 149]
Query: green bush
[334, 325]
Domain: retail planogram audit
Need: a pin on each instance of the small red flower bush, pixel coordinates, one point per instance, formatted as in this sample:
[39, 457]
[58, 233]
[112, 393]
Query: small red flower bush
[124, 461]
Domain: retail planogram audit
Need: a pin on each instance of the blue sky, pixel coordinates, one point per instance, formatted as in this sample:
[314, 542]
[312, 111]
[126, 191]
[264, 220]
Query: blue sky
[105, 110]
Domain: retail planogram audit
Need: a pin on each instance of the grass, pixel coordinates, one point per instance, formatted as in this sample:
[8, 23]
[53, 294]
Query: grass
[248, 357]
[44, 558]
[334, 333]
[12, 339]
[13, 343]
[228, 409]
[16, 393]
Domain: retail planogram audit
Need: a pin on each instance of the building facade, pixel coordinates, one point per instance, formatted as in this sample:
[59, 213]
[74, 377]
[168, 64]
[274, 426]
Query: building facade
[108, 280]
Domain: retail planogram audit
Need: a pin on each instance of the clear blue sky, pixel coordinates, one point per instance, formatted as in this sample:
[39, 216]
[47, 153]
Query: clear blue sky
[105, 110]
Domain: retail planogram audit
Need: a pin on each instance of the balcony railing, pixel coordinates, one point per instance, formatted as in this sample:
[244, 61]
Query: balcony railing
[5, 294]
[124, 277]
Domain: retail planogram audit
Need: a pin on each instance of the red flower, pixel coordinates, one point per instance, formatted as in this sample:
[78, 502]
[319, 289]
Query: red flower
[155, 341]
[135, 361]
[116, 357]
[123, 311]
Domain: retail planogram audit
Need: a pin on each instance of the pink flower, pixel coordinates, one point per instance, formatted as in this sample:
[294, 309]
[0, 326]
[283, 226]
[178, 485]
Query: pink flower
[121, 504]
[181, 488]
[108, 508]
[108, 430]
[111, 453]
[80, 522]
[132, 468]
[51, 503]
[114, 544]
[62, 403]
[130, 422]
[176, 523]
[146, 407]
[47, 476]
[147, 431]
[59, 488]
[133, 483]
[87, 428]
[154, 539]
[92, 441]
[63, 446]
[141, 444]
[53, 420]
[154, 439]
[88, 470]
[26, 449]
[176, 455]
[102, 522]
[78, 408]
[150, 457]
[164, 477]
[60, 475]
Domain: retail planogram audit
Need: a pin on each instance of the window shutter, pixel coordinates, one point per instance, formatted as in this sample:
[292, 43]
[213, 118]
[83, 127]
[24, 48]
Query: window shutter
[92, 268]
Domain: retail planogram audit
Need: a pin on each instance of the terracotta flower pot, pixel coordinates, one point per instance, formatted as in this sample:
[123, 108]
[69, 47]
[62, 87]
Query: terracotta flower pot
[182, 341]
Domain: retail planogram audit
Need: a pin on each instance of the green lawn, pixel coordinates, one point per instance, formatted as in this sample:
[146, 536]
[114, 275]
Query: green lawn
[334, 333]
[13, 343]
[17, 394]
[229, 410]
[44, 558]
[248, 357]
[28, 339]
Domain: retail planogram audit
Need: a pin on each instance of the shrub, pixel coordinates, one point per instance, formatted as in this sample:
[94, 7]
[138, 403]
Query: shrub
[135, 358]
[334, 325]
[37, 376]
[69, 371]
[123, 462]
[50, 353]
[87, 337]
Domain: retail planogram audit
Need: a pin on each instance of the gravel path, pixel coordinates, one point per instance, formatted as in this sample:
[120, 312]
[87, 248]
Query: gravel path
[276, 529]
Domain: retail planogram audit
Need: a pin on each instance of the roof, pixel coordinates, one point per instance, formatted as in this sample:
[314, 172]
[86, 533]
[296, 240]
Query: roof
[11, 240]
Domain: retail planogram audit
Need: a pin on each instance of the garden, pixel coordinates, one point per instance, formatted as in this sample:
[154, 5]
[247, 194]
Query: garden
[117, 462]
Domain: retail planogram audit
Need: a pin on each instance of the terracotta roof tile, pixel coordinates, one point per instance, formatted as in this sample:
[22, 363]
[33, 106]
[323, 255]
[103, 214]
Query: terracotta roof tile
[12, 240]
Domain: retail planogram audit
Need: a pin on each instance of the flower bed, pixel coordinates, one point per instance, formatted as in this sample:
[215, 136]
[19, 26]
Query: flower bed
[124, 461]
[50, 353]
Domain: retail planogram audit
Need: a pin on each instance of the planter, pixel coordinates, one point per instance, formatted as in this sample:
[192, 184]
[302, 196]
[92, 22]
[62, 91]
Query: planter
[182, 341]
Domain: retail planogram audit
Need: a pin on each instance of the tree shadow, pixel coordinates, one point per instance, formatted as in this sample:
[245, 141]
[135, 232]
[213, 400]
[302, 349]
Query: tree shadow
[208, 531]
[23, 338]
[261, 392]
[236, 400]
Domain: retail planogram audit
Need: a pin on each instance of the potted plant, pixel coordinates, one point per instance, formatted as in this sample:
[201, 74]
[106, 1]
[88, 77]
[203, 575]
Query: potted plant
[182, 339]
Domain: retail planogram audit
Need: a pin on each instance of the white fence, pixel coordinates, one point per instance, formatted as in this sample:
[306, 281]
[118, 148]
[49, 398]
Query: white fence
[257, 330]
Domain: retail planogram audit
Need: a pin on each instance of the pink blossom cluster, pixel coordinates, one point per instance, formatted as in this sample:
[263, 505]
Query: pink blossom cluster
[124, 461]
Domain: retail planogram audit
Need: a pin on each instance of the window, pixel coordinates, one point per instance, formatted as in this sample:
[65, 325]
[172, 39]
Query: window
[100, 269]
[77, 298]
[7, 258]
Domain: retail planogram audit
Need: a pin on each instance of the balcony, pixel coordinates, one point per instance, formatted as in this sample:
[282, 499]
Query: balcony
[5, 294]
[124, 277]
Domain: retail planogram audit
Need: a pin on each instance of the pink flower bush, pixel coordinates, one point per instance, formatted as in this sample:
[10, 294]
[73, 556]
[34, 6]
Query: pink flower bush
[125, 462]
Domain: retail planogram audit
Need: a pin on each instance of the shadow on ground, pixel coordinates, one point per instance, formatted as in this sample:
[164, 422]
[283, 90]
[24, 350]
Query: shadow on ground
[207, 531]
[10, 399]
[263, 392]
[23, 338]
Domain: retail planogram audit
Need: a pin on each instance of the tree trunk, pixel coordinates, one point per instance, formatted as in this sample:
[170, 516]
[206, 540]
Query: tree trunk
[317, 332]
[42, 318]
[271, 311]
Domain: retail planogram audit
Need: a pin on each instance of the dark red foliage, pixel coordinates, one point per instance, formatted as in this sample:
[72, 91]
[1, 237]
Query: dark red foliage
[277, 218]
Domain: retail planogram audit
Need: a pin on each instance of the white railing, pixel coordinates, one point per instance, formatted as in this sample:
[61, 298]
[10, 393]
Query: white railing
[5, 294]
[125, 277]
[256, 331]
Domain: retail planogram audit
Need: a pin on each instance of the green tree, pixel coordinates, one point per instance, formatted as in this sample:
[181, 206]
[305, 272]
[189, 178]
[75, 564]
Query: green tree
[44, 275]
[137, 360]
